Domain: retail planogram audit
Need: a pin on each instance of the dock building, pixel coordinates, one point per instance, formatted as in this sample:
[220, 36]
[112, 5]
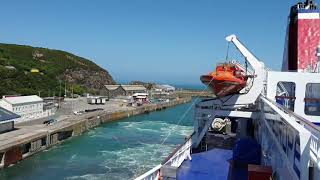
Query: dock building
[28, 107]
[140, 97]
[112, 91]
[164, 88]
[97, 99]
[132, 89]
[7, 120]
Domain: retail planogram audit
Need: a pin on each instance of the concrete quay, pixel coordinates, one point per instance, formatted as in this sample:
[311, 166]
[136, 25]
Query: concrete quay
[30, 139]
[194, 93]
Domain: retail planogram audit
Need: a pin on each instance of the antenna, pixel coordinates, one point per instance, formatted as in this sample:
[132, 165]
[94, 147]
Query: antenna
[310, 4]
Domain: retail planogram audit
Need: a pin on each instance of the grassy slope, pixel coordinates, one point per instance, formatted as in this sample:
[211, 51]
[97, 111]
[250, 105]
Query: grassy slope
[52, 66]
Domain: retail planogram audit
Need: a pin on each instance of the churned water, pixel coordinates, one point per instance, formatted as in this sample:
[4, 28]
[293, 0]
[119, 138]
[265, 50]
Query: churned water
[118, 150]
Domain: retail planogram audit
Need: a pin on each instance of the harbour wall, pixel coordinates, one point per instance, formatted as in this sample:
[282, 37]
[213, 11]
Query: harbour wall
[194, 93]
[31, 143]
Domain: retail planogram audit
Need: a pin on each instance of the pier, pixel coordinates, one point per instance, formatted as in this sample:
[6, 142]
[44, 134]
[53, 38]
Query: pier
[29, 140]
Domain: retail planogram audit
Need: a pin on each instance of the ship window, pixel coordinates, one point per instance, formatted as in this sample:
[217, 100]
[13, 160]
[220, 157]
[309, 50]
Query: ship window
[286, 94]
[312, 99]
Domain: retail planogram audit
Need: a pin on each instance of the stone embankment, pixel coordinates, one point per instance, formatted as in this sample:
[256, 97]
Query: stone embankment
[26, 141]
[194, 93]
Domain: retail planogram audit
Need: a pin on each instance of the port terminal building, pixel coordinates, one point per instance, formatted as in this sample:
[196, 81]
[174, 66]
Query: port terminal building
[27, 107]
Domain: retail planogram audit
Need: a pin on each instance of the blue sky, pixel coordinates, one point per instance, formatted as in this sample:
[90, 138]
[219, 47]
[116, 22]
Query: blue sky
[167, 41]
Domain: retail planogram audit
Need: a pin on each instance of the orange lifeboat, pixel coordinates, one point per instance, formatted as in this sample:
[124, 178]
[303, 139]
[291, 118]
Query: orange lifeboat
[228, 79]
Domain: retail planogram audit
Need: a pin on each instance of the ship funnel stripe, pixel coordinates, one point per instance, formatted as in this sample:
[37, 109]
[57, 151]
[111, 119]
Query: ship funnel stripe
[309, 16]
[308, 11]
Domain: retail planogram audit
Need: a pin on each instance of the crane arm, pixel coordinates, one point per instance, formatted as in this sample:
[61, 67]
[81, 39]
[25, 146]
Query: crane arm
[253, 61]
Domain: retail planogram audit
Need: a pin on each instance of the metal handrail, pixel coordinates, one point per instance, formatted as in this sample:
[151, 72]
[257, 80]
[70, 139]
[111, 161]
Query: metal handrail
[176, 150]
[154, 173]
[287, 120]
[151, 174]
[296, 116]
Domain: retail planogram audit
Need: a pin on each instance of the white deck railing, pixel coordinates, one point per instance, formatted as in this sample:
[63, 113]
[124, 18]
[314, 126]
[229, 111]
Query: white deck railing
[180, 154]
[152, 174]
[314, 145]
[285, 141]
[314, 130]
[175, 159]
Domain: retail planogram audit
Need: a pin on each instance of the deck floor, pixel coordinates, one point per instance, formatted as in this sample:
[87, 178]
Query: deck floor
[212, 164]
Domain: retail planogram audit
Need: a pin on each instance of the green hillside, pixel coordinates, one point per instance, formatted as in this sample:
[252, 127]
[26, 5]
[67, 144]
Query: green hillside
[28, 70]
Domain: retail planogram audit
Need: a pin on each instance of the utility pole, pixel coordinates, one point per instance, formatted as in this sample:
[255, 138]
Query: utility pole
[65, 89]
[72, 98]
[59, 94]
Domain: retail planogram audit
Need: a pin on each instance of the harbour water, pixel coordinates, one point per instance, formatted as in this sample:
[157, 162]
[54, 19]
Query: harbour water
[117, 150]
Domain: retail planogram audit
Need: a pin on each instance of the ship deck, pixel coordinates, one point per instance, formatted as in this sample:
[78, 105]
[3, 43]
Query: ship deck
[211, 164]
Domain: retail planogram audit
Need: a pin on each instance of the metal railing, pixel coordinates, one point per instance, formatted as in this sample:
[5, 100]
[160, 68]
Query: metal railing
[314, 131]
[152, 174]
[286, 141]
[175, 159]
[179, 154]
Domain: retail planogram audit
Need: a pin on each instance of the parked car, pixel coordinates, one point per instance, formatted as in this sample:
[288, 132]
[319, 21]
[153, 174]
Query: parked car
[49, 121]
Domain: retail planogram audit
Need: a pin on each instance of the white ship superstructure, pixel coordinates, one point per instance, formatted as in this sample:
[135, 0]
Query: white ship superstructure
[267, 130]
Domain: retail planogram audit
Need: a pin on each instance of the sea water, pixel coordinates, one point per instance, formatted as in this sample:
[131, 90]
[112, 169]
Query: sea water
[117, 150]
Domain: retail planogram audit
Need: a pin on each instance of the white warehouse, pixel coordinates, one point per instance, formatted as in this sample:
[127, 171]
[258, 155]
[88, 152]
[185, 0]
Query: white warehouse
[28, 107]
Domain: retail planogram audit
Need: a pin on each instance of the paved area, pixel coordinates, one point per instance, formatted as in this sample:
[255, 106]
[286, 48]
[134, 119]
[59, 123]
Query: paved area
[21, 134]
[63, 116]
[27, 131]
[69, 106]
[80, 104]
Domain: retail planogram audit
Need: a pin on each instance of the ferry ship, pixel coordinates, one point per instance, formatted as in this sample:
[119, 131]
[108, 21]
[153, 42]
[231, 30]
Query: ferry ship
[265, 130]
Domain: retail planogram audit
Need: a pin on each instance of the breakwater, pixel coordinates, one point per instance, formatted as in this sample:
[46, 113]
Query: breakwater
[34, 140]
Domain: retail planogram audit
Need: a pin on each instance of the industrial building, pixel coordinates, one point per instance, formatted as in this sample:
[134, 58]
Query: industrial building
[96, 99]
[164, 88]
[7, 120]
[132, 89]
[140, 97]
[112, 91]
[28, 107]
[123, 90]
